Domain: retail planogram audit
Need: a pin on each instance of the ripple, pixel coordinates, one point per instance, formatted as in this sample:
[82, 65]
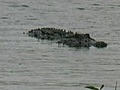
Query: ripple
[96, 4]
[4, 17]
[81, 8]
[32, 19]
[24, 6]
[15, 5]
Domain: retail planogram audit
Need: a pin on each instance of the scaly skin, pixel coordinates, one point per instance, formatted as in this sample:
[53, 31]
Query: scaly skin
[66, 37]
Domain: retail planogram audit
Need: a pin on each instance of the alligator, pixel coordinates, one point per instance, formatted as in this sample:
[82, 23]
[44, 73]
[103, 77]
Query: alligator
[70, 38]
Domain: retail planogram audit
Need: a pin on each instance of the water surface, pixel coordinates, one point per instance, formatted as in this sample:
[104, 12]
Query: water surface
[26, 64]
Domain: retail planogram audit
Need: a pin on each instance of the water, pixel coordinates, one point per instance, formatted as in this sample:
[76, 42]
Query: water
[26, 64]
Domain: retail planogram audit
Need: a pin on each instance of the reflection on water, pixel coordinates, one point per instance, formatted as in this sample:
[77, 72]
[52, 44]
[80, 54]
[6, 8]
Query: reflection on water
[29, 64]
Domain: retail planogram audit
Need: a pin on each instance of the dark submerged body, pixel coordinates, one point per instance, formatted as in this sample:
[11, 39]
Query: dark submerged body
[66, 37]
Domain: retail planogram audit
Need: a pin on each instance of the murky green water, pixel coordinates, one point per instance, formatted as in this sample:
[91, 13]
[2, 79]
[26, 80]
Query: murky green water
[26, 64]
